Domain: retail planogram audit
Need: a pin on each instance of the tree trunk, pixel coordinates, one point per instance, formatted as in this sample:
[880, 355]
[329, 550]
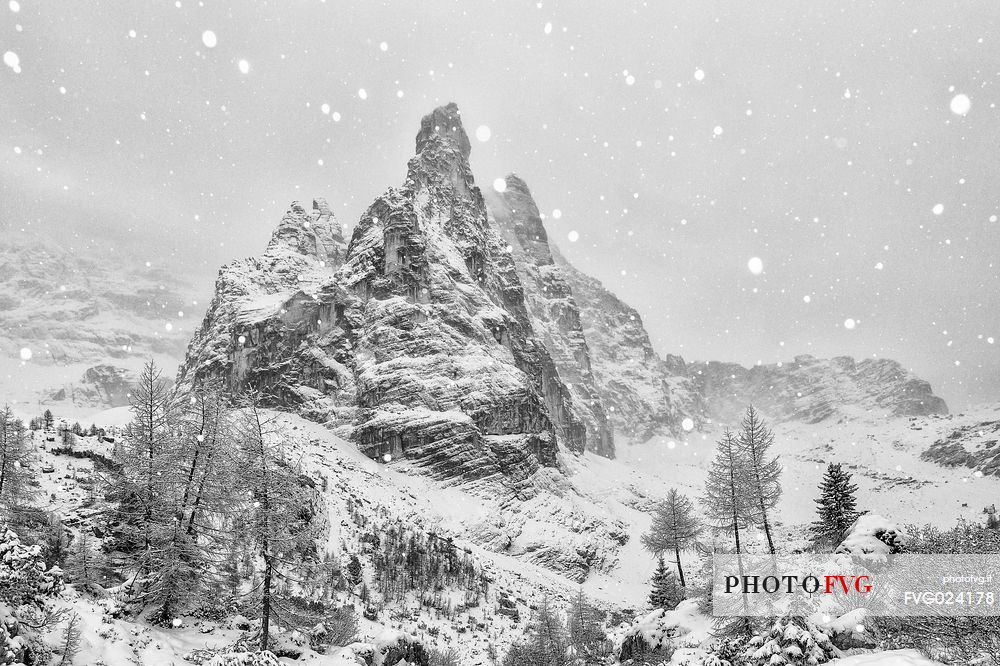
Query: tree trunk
[767, 527]
[265, 620]
[680, 569]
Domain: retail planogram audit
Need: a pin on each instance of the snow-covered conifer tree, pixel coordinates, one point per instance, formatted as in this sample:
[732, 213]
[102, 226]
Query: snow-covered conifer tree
[836, 507]
[674, 528]
[762, 471]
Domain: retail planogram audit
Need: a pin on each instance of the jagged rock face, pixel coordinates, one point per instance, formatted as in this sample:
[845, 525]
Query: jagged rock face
[555, 315]
[415, 339]
[810, 389]
[643, 394]
[278, 323]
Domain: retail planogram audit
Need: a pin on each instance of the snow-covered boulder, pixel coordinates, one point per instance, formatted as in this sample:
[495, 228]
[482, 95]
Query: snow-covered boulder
[684, 626]
[873, 534]
[389, 648]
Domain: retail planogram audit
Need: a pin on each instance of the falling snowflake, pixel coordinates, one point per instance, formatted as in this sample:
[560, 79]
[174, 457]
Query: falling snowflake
[362, 93]
[548, 28]
[25, 354]
[960, 104]
[688, 424]
[244, 67]
[209, 39]
[699, 75]
[573, 236]
[500, 185]
[849, 324]
[483, 133]
[938, 209]
[11, 60]
[756, 265]
[387, 458]
[384, 46]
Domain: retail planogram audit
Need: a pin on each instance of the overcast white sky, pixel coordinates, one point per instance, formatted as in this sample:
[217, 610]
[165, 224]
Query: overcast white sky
[677, 139]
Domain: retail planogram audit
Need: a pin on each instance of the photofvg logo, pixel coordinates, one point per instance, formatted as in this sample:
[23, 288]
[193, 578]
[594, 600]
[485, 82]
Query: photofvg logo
[882, 585]
[789, 584]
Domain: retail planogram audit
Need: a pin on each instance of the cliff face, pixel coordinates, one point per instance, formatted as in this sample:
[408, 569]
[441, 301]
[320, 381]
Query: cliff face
[644, 395]
[555, 315]
[811, 390]
[414, 340]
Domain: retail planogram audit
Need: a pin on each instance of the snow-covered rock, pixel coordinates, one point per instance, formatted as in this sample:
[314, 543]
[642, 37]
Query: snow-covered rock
[684, 626]
[102, 386]
[872, 534]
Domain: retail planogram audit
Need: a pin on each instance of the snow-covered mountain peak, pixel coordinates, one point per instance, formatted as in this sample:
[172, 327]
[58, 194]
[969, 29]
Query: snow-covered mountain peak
[445, 122]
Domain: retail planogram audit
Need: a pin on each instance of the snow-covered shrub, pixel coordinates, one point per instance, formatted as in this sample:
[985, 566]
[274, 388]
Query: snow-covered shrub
[24, 580]
[873, 534]
[790, 640]
[244, 659]
[26, 587]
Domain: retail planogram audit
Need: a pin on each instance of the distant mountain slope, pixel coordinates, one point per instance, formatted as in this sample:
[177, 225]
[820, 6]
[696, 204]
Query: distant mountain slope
[70, 308]
[810, 390]
[85, 322]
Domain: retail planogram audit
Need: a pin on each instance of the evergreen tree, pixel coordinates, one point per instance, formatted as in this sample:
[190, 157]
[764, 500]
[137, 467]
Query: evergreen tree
[546, 643]
[762, 471]
[85, 563]
[15, 456]
[277, 516]
[48, 418]
[587, 639]
[207, 460]
[726, 493]
[148, 466]
[666, 594]
[354, 570]
[790, 640]
[674, 528]
[164, 558]
[836, 507]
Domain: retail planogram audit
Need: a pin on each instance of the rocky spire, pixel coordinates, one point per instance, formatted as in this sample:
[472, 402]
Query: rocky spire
[316, 234]
[445, 121]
